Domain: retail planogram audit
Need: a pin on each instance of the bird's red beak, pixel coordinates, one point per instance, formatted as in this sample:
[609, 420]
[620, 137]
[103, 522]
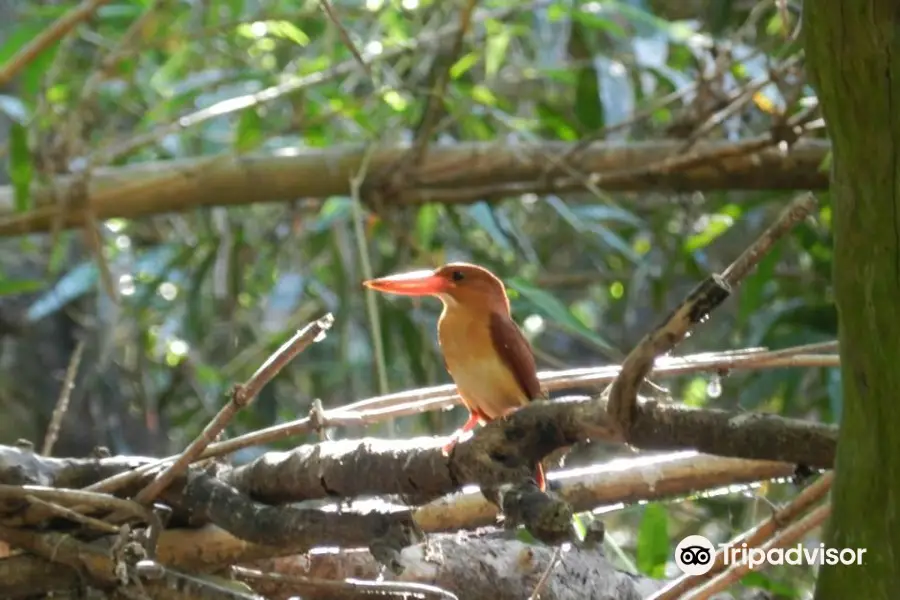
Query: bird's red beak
[415, 283]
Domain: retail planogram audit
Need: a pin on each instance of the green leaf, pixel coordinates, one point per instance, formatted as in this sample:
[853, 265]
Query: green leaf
[426, 224]
[20, 168]
[647, 23]
[608, 237]
[653, 541]
[556, 122]
[587, 100]
[334, 210]
[715, 226]
[461, 66]
[18, 286]
[167, 76]
[248, 135]
[757, 579]
[495, 52]
[30, 77]
[580, 525]
[288, 31]
[195, 321]
[555, 310]
[525, 536]
[597, 22]
[754, 287]
[483, 95]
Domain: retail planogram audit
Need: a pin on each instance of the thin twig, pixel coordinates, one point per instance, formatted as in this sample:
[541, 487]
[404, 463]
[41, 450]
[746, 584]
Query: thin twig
[412, 402]
[743, 97]
[62, 403]
[345, 37]
[796, 211]
[435, 98]
[47, 37]
[693, 310]
[94, 500]
[102, 66]
[545, 577]
[636, 117]
[241, 396]
[350, 589]
[72, 515]
[356, 183]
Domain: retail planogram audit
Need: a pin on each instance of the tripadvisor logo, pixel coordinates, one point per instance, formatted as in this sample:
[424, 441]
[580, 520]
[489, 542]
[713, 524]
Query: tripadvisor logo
[695, 555]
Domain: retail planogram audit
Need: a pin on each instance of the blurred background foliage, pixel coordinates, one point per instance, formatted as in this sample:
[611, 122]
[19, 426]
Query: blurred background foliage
[177, 308]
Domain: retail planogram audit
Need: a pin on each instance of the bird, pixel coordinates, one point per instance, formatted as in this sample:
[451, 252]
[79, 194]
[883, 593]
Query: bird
[485, 352]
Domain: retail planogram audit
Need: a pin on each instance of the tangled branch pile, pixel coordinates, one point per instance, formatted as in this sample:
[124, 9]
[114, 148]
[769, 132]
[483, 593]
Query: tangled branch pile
[190, 526]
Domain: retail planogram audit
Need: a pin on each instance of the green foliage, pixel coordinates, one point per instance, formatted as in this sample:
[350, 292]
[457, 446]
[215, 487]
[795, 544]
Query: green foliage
[20, 170]
[653, 546]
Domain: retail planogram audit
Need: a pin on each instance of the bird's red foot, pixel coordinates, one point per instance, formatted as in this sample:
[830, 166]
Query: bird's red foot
[448, 447]
[540, 478]
[473, 420]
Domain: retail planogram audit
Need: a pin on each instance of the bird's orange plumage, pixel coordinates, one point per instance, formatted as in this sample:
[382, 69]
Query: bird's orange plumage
[485, 352]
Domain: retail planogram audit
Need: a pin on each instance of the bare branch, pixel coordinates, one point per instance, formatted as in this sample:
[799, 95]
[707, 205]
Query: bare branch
[345, 37]
[619, 481]
[461, 173]
[241, 396]
[412, 402]
[506, 450]
[81, 498]
[58, 30]
[474, 568]
[208, 498]
[349, 589]
[693, 310]
[62, 404]
[435, 99]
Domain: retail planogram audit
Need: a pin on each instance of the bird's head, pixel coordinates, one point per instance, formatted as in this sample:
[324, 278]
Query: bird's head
[456, 284]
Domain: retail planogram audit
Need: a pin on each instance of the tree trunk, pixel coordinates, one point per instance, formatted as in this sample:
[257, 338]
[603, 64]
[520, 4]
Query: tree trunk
[853, 53]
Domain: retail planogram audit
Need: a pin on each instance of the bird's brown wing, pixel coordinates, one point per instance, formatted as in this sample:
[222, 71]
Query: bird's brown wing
[515, 351]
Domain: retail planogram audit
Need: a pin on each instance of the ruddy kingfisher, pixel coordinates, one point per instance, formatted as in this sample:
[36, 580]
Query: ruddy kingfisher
[485, 352]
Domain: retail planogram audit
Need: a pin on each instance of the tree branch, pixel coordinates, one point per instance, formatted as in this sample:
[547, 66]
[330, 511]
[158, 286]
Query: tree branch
[207, 498]
[506, 450]
[47, 37]
[464, 172]
[241, 396]
[692, 311]
[487, 567]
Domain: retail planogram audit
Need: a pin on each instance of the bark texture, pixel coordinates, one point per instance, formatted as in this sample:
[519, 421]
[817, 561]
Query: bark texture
[461, 173]
[853, 51]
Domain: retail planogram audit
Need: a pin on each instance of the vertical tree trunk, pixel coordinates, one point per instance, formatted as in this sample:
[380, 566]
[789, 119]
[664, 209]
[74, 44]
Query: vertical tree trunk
[853, 54]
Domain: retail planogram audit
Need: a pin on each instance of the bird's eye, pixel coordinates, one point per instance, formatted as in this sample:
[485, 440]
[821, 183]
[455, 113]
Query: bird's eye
[457, 275]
